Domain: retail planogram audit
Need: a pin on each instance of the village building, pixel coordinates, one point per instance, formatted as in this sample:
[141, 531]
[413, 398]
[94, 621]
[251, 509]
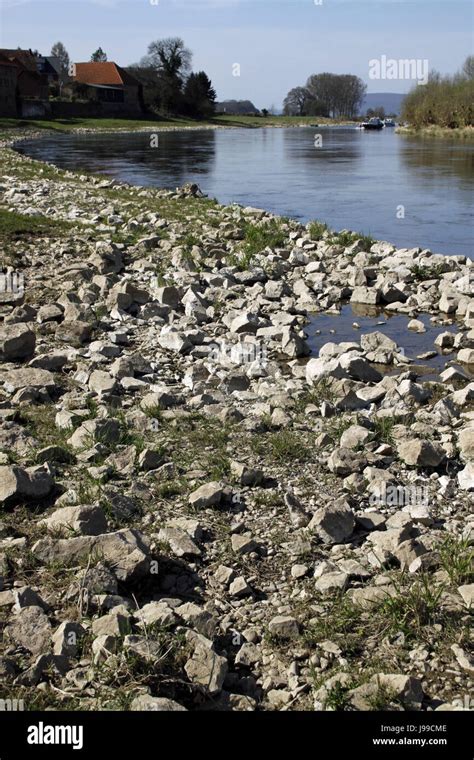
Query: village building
[115, 89]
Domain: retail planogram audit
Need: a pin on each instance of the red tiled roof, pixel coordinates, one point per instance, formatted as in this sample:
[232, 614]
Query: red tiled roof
[107, 73]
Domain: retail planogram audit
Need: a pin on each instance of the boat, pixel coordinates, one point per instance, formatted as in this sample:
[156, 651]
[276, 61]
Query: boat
[389, 123]
[374, 123]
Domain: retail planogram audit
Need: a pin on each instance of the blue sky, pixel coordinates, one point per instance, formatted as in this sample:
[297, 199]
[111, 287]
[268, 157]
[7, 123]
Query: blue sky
[278, 43]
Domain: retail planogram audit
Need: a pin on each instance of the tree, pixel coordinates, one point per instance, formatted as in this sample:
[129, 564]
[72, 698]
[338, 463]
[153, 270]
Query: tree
[59, 51]
[199, 95]
[99, 56]
[170, 57]
[296, 102]
[339, 94]
[171, 60]
[376, 112]
[468, 67]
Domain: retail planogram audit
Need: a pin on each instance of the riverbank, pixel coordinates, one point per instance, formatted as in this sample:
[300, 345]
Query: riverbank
[196, 513]
[131, 125]
[462, 133]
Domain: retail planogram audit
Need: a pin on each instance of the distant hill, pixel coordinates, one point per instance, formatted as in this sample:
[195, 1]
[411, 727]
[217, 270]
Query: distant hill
[236, 107]
[391, 101]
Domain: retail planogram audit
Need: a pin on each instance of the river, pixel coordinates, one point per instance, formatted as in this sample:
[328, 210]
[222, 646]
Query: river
[409, 191]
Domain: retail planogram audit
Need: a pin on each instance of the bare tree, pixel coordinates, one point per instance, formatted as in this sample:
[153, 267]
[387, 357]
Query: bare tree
[170, 57]
[468, 67]
[59, 51]
[296, 102]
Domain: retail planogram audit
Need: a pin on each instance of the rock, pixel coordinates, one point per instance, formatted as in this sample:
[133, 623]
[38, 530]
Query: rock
[37, 379]
[124, 551]
[378, 347]
[198, 619]
[284, 626]
[365, 295]
[147, 703]
[359, 369]
[405, 688]
[173, 340]
[467, 593]
[416, 325]
[31, 629]
[416, 452]
[345, 461]
[333, 523]
[466, 356]
[208, 495]
[168, 296]
[75, 333]
[329, 582]
[105, 431]
[17, 342]
[116, 623]
[445, 340]
[88, 521]
[354, 437]
[299, 518]
[246, 476]
[243, 544]
[181, 544]
[103, 647]
[239, 588]
[67, 637]
[206, 668]
[318, 369]
[155, 613]
[466, 443]
[19, 483]
[28, 597]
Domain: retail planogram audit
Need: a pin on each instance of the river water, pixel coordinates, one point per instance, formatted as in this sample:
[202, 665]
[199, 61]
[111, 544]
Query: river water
[407, 190]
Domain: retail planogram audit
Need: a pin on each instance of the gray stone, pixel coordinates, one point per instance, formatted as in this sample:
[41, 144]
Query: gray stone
[17, 342]
[333, 523]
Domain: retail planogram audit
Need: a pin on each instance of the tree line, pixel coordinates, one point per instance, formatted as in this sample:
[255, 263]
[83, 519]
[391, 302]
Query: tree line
[444, 101]
[165, 73]
[334, 95]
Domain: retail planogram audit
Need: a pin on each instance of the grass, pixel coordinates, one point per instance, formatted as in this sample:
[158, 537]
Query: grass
[457, 559]
[422, 273]
[413, 607]
[67, 125]
[346, 238]
[257, 237]
[282, 446]
[16, 227]
[321, 391]
[383, 429]
[317, 229]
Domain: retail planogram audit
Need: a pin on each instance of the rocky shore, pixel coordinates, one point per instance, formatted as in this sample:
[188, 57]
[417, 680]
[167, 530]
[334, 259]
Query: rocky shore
[196, 513]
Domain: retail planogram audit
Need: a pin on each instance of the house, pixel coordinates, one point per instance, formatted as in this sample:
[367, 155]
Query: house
[8, 88]
[49, 66]
[30, 83]
[115, 89]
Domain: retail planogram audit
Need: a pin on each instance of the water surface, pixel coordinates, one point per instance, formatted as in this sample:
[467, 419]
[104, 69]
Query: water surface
[357, 180]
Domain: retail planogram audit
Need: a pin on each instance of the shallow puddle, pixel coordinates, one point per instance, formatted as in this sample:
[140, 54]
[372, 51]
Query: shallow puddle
[324, 328]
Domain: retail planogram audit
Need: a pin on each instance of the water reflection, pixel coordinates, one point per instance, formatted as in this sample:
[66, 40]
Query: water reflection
[356, 180]
[432, 157]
